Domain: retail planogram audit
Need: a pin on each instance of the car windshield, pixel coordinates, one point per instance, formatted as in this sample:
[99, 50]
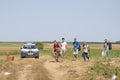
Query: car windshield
[29, 47]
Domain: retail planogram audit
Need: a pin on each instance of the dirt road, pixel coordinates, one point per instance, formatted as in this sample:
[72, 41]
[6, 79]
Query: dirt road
[42, 69]
[23, 69]
[33, 69]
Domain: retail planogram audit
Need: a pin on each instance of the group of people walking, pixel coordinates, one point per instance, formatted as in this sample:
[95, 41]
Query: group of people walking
[60, 49]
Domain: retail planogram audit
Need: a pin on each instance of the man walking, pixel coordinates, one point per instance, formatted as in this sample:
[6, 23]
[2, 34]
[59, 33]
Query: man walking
[63, 48]
[106, 48]
[76, 48]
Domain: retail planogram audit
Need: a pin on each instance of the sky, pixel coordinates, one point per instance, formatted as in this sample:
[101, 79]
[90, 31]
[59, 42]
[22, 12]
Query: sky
[48, 20]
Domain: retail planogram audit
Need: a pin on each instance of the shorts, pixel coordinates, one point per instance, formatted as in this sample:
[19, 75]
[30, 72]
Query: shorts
[75, 51]
[63, 51]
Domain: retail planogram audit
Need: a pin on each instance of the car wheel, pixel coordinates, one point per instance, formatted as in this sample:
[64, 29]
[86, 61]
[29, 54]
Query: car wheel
[22, 56]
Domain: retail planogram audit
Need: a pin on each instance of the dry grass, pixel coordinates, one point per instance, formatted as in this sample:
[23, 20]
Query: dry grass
[9, 48]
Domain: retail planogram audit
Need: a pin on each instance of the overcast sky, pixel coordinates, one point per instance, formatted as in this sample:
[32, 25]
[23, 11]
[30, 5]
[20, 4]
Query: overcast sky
[48, 20]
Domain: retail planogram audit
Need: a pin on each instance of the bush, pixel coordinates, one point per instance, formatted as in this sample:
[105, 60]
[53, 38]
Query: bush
[39, 45]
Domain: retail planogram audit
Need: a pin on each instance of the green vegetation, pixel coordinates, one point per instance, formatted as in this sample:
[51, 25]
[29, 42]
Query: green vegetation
[101, 71]
[15, 52]
[40, 45]
[115, 53]
[93, 53]
[69, 53]
[11, 44]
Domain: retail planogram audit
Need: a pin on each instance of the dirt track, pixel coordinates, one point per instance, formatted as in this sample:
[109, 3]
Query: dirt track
[43, 69]
[33, 70]
[40, 69]
[24, 69]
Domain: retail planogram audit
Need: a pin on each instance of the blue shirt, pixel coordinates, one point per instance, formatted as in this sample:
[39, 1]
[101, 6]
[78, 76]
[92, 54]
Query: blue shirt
[76, 44]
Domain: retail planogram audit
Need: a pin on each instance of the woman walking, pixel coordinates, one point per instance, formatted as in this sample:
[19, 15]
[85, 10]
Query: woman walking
[86, 50]
[56, 50]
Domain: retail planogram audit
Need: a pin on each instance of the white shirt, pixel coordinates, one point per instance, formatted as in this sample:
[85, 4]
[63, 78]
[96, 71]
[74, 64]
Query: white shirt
[106, 46]
[63, 45]
[85, 48]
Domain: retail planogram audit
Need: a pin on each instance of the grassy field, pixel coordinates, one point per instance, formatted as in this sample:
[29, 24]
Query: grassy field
[95, 52]
[101, 69]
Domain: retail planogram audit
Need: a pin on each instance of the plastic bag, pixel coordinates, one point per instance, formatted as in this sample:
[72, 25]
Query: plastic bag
[103, 54]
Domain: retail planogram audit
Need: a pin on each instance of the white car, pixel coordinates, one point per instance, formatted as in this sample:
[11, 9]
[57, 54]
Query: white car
[29, 50]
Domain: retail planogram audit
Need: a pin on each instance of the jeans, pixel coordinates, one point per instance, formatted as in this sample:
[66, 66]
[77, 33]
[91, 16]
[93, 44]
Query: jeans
[107, 53]
[85, 55]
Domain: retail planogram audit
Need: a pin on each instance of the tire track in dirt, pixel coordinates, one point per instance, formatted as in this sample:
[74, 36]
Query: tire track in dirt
[45, 69]
[27, 69]
[32, 69]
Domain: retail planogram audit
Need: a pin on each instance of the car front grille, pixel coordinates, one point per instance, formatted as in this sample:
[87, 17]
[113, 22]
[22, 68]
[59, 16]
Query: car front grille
[30, 51]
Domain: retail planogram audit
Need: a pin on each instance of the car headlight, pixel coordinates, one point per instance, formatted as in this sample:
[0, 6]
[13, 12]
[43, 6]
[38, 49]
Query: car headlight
[24, 51]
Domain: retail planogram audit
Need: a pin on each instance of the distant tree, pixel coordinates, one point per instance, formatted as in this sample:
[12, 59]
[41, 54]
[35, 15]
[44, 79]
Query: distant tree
[39, 45]
[118, 42]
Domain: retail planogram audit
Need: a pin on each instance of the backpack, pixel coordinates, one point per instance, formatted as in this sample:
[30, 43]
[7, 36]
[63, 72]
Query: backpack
[79, 48]
[110, 46]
